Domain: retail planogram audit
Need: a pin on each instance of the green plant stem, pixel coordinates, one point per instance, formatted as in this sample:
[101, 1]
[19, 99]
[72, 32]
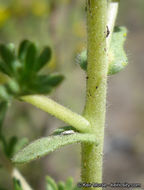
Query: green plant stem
[48, 105]
[13, 172]
[95, 107]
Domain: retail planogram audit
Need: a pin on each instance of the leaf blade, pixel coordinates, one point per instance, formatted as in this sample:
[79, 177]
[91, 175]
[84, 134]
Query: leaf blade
[44, 58]
[7, 56]
[51, 184]
[23, 49]
[43, 146]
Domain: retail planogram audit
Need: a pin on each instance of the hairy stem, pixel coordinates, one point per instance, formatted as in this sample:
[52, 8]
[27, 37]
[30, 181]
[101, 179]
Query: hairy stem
[48, 105]
[95, 106]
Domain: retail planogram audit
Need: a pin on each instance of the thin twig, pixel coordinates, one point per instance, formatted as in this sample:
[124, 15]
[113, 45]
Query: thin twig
[13, 172]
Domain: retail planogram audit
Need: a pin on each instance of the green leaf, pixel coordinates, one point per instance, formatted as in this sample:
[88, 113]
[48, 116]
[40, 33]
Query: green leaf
[48, 80]
[44, 58]
[69, 184]
[30, 59]
[50, 184]
[52, 80]
[46, 145]
[61, 185]
[117, 56]
[17, 184]
[35, 89]
[4, 68]
[23, 49]
[44, 84]
[22, 70]
[8, 56]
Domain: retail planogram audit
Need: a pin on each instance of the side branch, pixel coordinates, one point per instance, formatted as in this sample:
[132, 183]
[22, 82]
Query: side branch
[48, 105]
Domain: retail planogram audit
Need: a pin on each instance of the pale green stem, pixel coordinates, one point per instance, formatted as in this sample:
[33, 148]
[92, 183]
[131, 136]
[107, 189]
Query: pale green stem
[111, 18]
[13, 172]
[48, 105]
[95, 107]
[16, 174]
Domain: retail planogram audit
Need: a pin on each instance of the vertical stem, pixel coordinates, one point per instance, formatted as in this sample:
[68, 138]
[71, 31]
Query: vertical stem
[95, 106]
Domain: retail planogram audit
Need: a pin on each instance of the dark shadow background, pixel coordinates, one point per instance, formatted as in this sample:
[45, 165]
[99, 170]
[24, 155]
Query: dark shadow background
[62, 24]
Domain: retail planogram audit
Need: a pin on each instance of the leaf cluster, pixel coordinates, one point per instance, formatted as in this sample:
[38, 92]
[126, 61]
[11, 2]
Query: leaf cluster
[23, 70]
[52, 185]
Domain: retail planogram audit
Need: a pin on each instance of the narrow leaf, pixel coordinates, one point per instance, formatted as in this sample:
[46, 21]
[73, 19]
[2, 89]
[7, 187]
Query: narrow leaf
[44, 58]
[46, 145]
[39, 89]
[50, 184]
[30, 58]
[61, 186]
[23, 49]
[43, 84]
[54, 79]
[69, 184]
[8, 56]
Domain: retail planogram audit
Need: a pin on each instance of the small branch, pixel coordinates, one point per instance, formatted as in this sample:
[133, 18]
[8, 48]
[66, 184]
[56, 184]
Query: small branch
[112, 15]
[48, 105]
[16, 174]
[13, 172]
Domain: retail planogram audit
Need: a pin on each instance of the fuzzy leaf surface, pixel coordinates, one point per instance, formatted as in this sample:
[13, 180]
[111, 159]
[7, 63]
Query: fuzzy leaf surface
[43, 146]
